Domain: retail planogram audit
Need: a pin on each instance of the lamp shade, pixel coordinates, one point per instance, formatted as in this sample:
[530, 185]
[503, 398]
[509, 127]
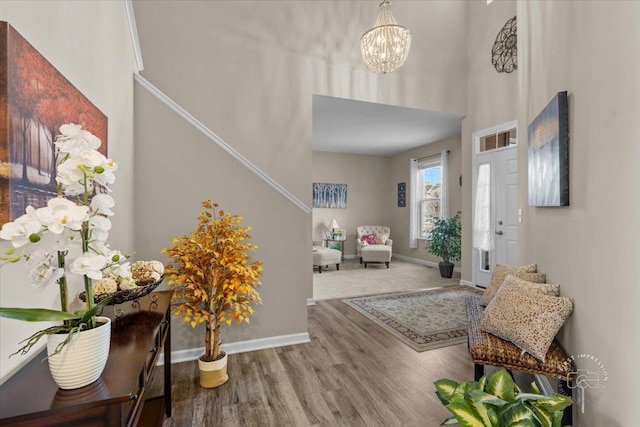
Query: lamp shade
[334, 224]
[385, 47]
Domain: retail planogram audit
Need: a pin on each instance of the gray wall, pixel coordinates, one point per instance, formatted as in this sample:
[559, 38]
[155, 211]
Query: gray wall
[248, 70]
[90, 44]
[491, 98]
[591, 50]
[367, 179]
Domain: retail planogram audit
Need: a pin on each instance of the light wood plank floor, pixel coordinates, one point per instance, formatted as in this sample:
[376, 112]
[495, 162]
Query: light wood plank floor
[353, 373]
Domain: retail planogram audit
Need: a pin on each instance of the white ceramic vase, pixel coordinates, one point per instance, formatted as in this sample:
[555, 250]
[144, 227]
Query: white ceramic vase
[82, 360]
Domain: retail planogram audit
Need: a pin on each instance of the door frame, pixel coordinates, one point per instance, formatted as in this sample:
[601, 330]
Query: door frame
[475, 145]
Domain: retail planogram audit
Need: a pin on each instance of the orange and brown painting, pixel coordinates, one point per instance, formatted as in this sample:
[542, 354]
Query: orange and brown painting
[35, 100]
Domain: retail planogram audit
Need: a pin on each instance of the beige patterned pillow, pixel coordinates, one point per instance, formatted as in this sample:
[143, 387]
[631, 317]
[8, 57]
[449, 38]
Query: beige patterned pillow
[501, 271]
[530, 321]
[549, 289]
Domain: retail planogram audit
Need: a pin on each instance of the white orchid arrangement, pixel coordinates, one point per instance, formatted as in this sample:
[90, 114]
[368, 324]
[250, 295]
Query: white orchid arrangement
[82, 170]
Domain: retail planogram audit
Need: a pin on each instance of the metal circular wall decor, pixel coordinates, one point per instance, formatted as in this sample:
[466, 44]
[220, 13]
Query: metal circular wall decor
[504, 55]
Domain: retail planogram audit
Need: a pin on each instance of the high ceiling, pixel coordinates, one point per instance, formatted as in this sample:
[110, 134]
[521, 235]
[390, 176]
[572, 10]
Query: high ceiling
[357, 127]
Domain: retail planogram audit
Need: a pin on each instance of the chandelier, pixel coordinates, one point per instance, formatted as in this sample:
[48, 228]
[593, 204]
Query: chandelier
[385, 47]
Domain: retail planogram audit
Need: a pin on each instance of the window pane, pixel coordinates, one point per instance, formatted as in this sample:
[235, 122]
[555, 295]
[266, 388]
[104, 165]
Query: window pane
[430, 203]
[484, 261]
[487, 143]
[430, 210]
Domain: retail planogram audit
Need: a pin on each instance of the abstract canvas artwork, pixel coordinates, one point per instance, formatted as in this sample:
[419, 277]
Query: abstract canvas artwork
[35, 100]
[548, 155]
[329, 195]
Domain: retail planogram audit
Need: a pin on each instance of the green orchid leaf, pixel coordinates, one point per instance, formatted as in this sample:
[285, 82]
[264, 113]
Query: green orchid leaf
[445, 390]
[465, 415]
[501, 385]
[486, 398]
[88, 314]
[36, 314]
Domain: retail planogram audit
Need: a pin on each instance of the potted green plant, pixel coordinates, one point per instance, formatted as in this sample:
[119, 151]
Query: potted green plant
[214, 282]
[445, 243]
[496, 401]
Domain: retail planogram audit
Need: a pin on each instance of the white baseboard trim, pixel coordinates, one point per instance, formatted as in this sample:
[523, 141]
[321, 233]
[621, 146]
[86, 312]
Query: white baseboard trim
[311, 301]
[190, 354]
[466, 283]
[350, 256]
[544, 385]
[422, 262]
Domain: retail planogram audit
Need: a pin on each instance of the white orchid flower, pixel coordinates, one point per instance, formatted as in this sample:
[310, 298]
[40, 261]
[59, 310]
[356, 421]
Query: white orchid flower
[66, 240]
[122, 270]
[89, 265]
[75, 140]
[102, 204]
[41, 269]
[69, 172]
[107, 177]
[100, 227]
[91, 159]
[62, 213]
[17, 233]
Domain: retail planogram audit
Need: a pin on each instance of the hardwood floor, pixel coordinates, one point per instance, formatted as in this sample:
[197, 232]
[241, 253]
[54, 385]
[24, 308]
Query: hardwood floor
[353, 373]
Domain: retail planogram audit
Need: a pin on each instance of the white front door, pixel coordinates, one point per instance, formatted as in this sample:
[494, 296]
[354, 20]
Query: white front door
[497, 148]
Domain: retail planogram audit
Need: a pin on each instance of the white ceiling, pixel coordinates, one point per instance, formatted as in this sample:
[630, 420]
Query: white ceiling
[357, 127]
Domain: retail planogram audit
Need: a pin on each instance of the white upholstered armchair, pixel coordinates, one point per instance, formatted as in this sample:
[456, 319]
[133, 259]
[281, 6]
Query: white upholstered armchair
[381, 235]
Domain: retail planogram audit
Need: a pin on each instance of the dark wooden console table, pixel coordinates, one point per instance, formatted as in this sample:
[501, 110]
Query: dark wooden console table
[139, 333]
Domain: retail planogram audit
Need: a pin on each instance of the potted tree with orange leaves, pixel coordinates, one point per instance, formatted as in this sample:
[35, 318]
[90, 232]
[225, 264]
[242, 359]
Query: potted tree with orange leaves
[214, 281]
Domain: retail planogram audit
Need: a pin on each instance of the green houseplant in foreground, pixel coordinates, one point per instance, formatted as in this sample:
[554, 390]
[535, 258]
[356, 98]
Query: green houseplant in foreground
[445, 243]
[496, 401]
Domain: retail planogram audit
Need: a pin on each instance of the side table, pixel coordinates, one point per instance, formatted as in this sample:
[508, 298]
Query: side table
[140, 331]
[337, 244]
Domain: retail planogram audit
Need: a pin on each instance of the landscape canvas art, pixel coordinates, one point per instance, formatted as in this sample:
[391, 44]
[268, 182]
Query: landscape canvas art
[35, 100]
[548, 155]
[329, 195]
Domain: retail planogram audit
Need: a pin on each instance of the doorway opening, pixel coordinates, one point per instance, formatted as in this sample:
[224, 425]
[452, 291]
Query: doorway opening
[495, 181]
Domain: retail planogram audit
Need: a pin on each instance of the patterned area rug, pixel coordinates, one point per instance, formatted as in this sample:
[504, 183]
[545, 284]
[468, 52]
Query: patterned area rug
[424, 319]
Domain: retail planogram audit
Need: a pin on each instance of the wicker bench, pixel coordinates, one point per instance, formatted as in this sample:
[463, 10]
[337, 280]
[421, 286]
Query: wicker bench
[488, 349]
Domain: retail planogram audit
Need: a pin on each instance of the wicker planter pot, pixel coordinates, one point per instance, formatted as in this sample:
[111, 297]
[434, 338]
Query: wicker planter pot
[446, 269]
[82, 360]
[213, 374]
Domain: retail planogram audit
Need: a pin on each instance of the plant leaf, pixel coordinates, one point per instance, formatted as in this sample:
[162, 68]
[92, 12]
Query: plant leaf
[86, 315]
[449, 421]
[534, 388]
[465, 415]
[523, 423]
[445, 389]
[543, 417]
[36, 314]
[555, 402]
[479, 409]
[481, 396]
[501, 385]
[515, 413]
